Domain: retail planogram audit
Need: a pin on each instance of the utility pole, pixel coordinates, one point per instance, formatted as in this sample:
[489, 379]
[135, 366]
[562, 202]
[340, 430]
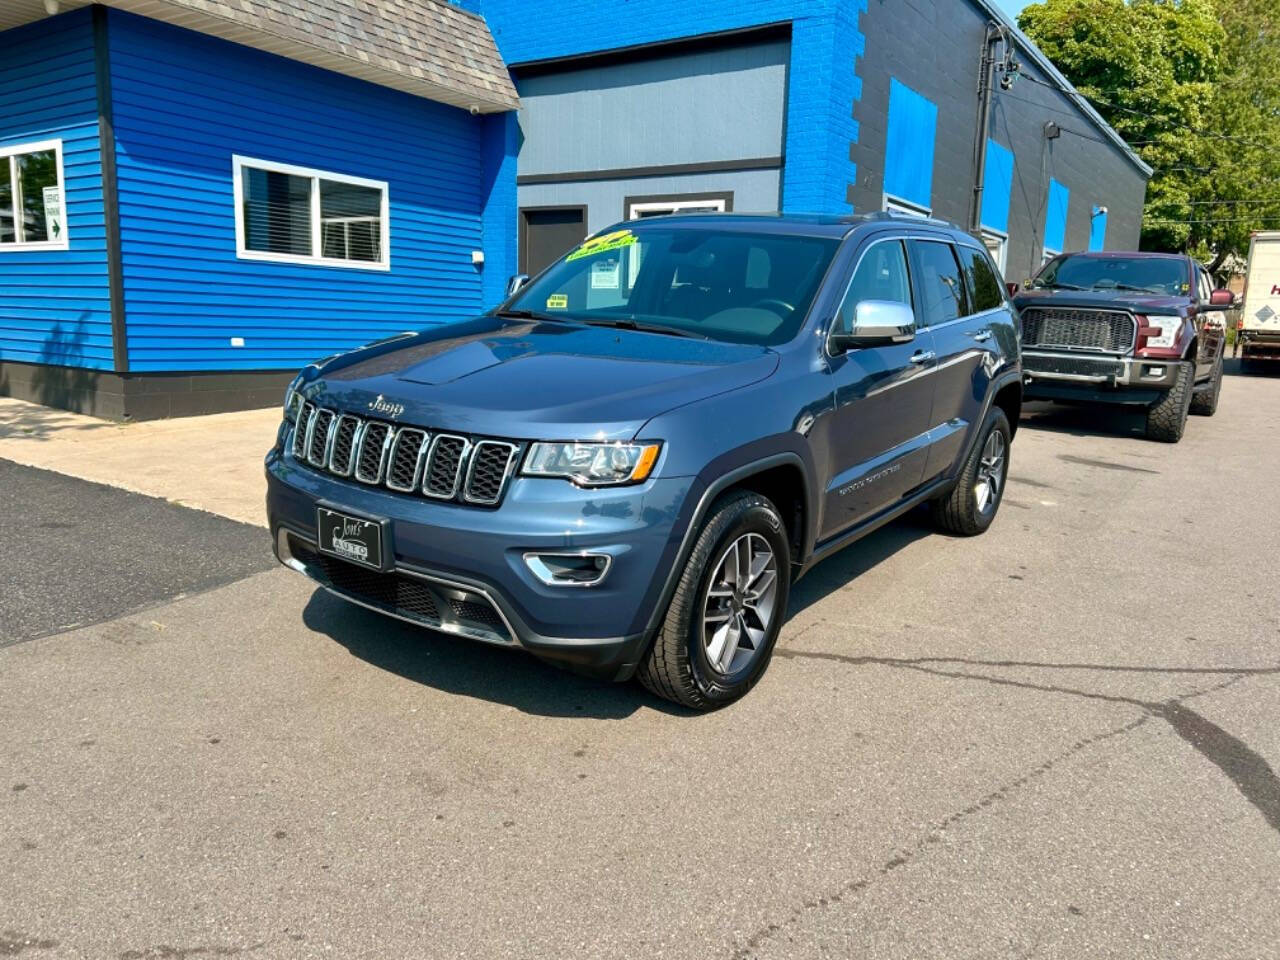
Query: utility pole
[995, 35]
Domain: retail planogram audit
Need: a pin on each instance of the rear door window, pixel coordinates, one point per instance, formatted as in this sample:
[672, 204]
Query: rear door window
[985, 292]
[940, 286]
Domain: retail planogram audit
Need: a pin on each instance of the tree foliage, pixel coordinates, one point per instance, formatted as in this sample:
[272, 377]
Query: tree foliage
[1194, 87]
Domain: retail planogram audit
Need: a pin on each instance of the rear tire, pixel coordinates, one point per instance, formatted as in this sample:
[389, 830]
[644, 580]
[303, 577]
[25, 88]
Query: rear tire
[972, 504]
[1204, 402]
[1167, 417]
[692, 661]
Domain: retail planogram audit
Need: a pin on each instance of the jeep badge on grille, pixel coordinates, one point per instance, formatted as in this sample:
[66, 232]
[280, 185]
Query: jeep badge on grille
[385, 407]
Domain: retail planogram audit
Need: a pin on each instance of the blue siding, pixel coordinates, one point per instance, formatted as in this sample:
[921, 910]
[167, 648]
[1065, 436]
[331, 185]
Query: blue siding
[1098, 229]
[1055, 221]
[997, 187]
[184, 103]
[55, 305]
[908, 152]
[823, 84]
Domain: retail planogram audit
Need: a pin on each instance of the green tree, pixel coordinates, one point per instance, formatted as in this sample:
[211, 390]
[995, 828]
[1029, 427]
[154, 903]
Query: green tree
[1194, 90]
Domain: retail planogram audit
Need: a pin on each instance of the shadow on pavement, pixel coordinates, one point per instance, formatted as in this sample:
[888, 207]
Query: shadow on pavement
[840, 569]
[1234, 367]
[1085, 420]
[474, 669]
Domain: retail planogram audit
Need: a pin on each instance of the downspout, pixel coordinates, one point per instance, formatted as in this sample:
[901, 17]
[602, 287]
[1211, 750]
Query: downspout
[986, 76]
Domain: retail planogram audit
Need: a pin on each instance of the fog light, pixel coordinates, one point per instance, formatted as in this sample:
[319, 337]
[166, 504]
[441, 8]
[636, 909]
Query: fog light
[569, 569]
[1154, 371]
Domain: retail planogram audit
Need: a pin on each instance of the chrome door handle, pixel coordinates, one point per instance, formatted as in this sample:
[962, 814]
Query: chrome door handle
[982, 336]
[922, 356]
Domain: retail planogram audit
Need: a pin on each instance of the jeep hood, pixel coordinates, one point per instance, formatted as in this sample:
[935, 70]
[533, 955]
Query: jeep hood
[533, 379]
[1102, 300]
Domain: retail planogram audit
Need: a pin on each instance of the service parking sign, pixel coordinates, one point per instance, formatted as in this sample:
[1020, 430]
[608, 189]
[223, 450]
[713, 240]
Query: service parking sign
[54, 223]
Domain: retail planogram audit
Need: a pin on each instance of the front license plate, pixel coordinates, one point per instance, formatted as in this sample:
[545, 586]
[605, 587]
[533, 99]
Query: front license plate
[351, 538]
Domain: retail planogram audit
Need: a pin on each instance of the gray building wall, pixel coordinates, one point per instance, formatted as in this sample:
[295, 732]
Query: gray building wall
[719, 107]
[935, 48]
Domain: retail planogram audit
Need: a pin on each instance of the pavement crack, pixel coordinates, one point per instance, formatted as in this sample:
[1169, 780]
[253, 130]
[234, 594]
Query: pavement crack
[1247, 769]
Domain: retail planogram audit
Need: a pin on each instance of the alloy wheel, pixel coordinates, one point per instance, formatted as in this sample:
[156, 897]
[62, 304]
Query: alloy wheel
[740, 604]
[986, 487]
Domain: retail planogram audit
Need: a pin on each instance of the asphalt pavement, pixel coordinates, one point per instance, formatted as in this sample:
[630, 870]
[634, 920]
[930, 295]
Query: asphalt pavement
[77, 552]
[1059, 739]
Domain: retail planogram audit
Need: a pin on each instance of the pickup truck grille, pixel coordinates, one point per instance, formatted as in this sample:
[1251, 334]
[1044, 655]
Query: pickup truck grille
[411, 460]
[1106, 331]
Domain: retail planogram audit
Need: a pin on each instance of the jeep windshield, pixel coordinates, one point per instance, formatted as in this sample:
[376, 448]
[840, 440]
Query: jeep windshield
[1160, 275]
[729, 285]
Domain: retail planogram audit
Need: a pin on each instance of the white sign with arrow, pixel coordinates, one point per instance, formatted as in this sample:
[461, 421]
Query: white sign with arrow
[54, 222]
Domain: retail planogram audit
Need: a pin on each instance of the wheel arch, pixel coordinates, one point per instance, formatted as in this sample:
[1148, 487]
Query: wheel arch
[761, 474]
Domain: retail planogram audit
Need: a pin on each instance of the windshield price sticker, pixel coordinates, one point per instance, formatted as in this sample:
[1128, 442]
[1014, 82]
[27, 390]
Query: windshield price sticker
[603, 244]
[558, 301]
[606, 274]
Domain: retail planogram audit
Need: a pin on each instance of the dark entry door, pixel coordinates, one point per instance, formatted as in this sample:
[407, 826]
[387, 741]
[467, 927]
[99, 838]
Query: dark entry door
[548, 233]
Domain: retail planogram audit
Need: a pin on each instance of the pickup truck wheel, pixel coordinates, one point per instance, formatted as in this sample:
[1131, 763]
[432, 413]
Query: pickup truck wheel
[1167, 417]
[1204, 402]
[718, 635]
[972, 504]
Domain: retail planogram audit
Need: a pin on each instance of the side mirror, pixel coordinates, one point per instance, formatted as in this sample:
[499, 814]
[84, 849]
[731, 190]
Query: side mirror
[876, 323]
[515, 282]
[1013, 288]
[1222, 299]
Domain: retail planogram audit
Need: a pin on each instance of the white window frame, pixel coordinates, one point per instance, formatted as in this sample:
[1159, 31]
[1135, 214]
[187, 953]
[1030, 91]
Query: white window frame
[8, 157]
[1000, 241]
[894, 204]
[711, 204]
[238, 163]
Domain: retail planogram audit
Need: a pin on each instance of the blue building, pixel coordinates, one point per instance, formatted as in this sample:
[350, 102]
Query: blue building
[196, 202]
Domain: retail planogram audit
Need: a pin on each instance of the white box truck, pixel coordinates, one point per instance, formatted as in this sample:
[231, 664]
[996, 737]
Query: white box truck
[1259, 332]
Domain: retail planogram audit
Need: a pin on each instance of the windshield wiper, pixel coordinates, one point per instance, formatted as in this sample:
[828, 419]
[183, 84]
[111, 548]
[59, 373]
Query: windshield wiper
[523, 314]
[629, 323]
[1055, 285]
[1126, 286]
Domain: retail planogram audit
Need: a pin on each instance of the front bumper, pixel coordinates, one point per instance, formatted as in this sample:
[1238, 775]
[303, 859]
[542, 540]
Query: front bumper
[461, 569]
[1071, 375]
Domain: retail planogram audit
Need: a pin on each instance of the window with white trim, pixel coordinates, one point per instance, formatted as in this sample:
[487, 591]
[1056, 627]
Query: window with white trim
[32, 201]
[897, 205]
[1048, 255]
[293, 214]
[997, 245]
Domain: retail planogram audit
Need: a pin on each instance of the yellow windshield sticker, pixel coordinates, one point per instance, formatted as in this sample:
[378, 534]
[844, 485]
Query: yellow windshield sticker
[603, 244]
[558, 301]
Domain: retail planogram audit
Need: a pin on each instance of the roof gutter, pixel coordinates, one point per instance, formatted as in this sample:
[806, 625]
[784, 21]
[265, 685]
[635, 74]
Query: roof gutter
[1037, 56]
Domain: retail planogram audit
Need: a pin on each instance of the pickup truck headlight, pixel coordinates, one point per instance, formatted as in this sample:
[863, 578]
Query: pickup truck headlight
[593, 464]
[1161, 331]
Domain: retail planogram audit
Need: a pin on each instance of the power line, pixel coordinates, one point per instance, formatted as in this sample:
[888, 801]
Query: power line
[1149, 116]
[1222, 220]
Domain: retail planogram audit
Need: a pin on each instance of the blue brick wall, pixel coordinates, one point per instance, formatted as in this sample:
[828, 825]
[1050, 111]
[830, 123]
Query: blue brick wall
[184, 103]
[823, 84]
[54, 305]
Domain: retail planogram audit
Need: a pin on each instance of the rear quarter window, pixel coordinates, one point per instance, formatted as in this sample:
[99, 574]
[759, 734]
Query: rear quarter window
[985, 290]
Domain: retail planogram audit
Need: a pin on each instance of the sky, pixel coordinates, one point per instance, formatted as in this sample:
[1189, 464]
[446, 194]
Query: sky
[1012, 7]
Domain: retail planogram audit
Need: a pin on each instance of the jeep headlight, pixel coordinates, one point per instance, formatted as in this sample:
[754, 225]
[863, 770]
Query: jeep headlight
[593, 464]
[293, 400]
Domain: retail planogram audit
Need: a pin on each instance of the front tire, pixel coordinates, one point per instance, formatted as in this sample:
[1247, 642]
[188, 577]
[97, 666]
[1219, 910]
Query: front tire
[1204, 402]
[719, 632]
[1167, 417]
[972, 503]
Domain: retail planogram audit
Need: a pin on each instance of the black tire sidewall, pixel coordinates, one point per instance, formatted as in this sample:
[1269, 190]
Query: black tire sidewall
[760, 517]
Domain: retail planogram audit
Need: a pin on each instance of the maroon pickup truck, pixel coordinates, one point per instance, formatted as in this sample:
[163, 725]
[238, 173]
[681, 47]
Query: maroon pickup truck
[1133, 328]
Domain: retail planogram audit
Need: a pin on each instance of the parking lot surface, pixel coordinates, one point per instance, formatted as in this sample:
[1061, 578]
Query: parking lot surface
[1060, 739]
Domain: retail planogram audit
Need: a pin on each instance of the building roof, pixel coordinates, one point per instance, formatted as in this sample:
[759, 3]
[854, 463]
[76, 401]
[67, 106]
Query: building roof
[1037, 56]
[429, 48]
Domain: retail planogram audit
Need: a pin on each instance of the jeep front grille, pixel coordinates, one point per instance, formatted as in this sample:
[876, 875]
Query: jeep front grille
[1107, 331]
[406, 459]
